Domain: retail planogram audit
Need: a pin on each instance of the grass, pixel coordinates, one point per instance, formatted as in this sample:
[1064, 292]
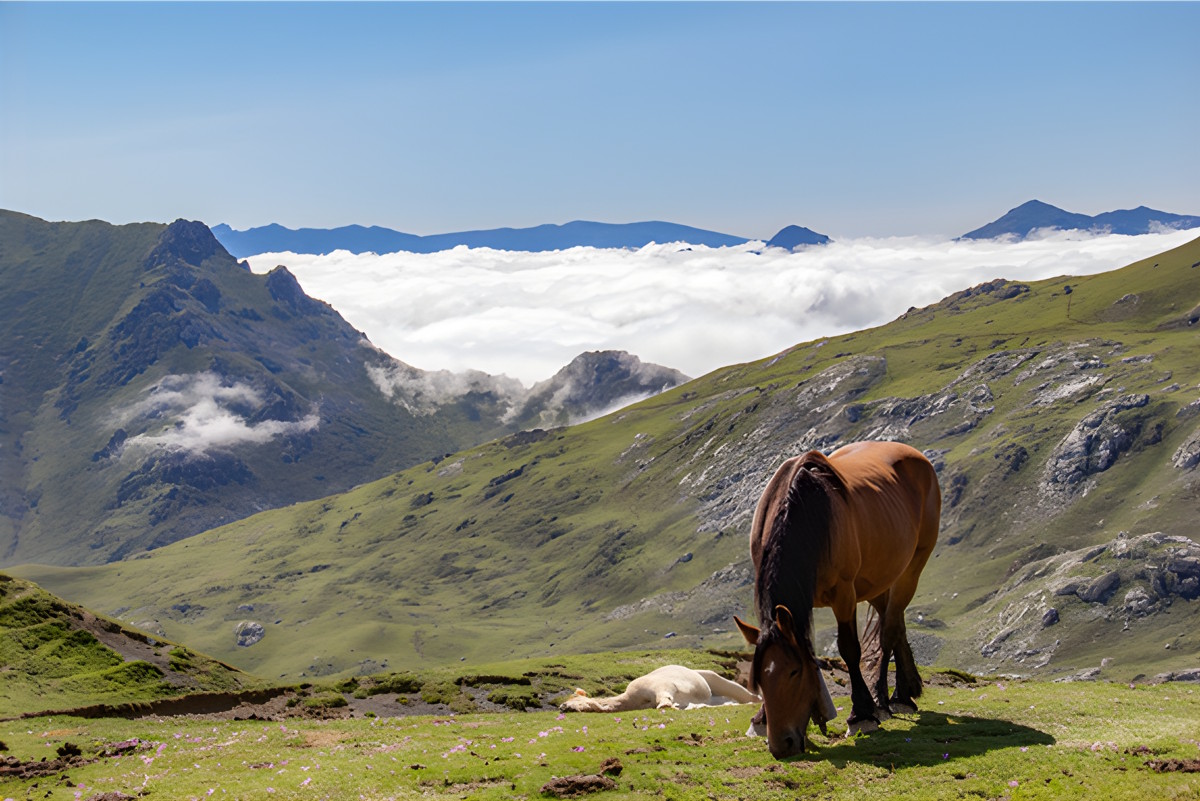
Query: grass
[50, 660]
[983, 739]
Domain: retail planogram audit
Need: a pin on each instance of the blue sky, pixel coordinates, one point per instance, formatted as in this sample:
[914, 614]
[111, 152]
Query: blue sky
[854, 119]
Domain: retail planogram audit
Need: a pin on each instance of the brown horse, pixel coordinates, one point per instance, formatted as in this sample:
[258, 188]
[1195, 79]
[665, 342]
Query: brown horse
[857, 525]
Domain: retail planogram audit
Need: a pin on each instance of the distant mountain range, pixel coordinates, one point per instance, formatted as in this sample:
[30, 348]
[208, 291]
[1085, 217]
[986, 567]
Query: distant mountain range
[275, 238]
[1036, 215]
[1018, 223]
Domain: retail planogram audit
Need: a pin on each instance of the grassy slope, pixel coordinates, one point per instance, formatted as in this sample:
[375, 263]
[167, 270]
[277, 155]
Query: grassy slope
[51, 657]
[469, 559]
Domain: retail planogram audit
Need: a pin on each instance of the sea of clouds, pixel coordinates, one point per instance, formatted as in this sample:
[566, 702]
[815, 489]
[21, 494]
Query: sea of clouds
[693, 308]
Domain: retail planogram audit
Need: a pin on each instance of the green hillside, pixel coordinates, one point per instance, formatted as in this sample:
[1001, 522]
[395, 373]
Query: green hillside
[57, 656]
[1062, 416]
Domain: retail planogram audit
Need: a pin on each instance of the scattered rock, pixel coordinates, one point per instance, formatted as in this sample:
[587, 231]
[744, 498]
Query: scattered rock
[248, 632]
[1101, 588]
[1138, 602]
[1050, 617]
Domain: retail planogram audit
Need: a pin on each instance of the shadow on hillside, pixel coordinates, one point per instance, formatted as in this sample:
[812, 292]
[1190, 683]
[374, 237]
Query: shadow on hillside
[937, 738]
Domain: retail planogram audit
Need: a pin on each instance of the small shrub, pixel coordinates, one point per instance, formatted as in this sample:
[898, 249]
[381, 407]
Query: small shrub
[518, 697]
[329, 700]
[402, 683]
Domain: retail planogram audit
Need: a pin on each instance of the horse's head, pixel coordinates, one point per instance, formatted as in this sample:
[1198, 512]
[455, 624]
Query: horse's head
[786, 675]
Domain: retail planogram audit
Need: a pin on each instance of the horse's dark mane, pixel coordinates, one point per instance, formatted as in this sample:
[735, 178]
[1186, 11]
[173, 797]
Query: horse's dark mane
[797, 543]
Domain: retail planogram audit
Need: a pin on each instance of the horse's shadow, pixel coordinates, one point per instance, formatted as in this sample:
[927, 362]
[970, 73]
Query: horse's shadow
[936, 738]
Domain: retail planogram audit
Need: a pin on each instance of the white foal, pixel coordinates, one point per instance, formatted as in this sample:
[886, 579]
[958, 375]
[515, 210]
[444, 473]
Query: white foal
[673, 686]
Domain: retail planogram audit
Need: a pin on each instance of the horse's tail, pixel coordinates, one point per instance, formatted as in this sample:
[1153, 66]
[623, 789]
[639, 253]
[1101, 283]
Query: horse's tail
[872, 645]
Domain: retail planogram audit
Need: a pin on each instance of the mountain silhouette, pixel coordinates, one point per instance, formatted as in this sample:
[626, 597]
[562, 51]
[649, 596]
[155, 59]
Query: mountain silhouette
[275, 238]
[1035, 215]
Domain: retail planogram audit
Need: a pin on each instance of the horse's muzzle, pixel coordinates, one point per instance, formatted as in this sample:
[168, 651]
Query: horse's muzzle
[789, 745]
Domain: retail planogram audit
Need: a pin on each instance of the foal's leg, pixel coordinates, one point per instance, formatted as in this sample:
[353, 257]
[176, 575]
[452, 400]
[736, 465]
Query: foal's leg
[863, 706]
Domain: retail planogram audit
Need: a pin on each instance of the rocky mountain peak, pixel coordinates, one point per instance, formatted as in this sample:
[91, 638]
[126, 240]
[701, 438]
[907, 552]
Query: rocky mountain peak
[286, 290]
[594, 382]
[185, 241]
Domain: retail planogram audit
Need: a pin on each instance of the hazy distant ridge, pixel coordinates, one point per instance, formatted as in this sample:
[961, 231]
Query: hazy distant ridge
[1035, 215]
[275, 238]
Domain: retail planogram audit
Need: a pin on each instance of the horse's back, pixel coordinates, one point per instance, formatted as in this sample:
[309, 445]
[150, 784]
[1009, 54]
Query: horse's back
[890, 474]
[893, 508]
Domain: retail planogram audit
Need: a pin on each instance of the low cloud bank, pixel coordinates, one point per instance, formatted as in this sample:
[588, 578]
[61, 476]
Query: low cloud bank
[200, 413]
[689, 307]
[422, 393]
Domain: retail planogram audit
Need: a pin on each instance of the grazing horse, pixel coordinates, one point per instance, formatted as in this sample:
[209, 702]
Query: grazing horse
[857, 525]
[668, 687]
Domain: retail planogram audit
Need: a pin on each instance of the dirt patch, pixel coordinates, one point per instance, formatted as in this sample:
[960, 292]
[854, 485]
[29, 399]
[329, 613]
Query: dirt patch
[11, 767]
[323, 739]
[575, 786]
[745, 771]
[1174, 765]
[611, 767]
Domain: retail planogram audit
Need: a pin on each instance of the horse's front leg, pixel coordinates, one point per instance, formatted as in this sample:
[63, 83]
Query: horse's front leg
[862, 704]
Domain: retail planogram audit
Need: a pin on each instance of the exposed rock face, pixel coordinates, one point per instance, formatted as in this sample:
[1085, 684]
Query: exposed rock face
[1094, 444]
[1188, 454]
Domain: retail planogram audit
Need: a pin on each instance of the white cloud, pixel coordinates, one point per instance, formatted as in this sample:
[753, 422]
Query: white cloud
[688, 307]
[199, 413]
[422, 392]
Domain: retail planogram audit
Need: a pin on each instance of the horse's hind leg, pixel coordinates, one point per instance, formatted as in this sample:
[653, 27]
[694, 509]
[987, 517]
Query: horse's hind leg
[862, 704]
[908, 680]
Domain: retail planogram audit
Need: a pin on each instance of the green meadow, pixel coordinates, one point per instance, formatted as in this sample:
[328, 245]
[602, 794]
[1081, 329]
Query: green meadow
[972, 738]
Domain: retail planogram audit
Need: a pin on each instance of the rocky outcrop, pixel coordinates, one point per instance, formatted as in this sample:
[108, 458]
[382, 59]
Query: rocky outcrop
[1187, 456]
[1085, 587]
[1094, 445]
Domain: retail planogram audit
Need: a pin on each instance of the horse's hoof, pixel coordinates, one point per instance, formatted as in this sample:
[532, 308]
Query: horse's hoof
[902, 708]
[882, 713]
[862, 725]
[756, 729]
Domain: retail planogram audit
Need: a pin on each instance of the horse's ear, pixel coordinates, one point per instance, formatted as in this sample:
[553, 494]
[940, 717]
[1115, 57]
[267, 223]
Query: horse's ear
[748, 631]
[783, 619]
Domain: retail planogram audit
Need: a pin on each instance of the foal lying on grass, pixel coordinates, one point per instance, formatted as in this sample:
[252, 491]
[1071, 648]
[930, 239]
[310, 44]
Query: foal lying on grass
[672, 686]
